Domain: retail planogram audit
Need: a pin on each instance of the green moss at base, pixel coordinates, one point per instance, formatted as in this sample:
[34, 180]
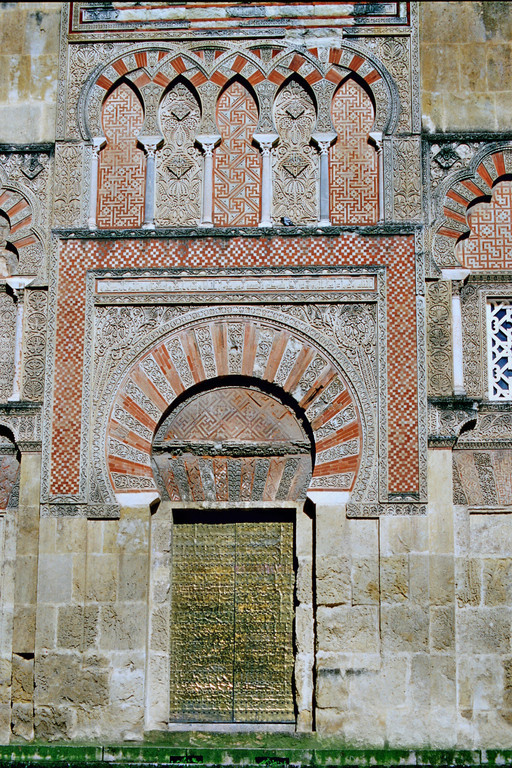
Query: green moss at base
[257, 750]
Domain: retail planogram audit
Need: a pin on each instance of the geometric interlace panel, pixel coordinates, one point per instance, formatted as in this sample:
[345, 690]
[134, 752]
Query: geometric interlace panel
[489, 244]
[232, 444]
[499, 328]
[232, 617]
[353, 168]
[237, 163]
[121, 173]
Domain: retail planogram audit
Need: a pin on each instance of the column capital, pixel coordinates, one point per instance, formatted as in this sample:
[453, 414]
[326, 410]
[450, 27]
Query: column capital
[324, 140]
[98, 142]
[150, 143]
[266, 141]
[208, 142]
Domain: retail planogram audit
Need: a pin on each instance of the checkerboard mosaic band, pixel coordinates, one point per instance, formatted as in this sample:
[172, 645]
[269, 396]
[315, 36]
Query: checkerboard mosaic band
[397, 252]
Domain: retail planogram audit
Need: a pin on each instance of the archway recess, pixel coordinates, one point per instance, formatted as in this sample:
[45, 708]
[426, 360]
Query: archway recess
[233, 443]
[218, 349]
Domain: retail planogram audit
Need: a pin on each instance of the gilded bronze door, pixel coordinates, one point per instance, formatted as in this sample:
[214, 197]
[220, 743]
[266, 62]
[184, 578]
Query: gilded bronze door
[232, 620]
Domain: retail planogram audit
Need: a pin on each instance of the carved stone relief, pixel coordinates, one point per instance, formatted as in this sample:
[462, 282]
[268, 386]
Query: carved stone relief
[179, 161]
[295, 160]
[34, 345]
[407, 179]
[439, 341]
[68, 176]
[7, 336]
[483, 478]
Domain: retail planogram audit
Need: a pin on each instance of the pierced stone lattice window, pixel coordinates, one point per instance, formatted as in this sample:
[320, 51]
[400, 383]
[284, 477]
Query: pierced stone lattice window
[499, 339]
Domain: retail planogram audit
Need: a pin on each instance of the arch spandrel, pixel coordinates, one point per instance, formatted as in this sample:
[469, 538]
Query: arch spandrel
[220, 349]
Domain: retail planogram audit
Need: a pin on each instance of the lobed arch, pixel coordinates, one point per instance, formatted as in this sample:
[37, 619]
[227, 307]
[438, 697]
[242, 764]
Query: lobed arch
[135, 64]
[460, 193]
[10, 458]
[333, 66]
[221, 347]
[158, 67]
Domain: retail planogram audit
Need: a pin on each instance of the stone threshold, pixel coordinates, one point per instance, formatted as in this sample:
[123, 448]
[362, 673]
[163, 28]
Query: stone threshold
[131, 755]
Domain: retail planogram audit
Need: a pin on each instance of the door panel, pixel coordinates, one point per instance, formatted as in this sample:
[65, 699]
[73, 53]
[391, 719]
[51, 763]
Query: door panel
[202, 623]
[232, 622]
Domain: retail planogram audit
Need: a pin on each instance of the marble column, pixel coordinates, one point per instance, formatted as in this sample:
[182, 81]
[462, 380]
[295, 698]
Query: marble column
[266, 141]
[208, 144]
[376, 140]
[98, 143]
[17, 285]
[323, 141]
[457, 277]
[150, 144]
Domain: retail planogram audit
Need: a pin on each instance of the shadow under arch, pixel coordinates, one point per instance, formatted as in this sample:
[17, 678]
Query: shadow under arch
[294, 77]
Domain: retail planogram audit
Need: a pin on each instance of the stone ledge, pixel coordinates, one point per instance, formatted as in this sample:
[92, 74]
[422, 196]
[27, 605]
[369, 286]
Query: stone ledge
[373, 230]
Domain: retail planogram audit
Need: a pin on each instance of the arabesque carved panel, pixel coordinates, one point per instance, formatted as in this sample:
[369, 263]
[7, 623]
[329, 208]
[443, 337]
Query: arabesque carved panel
[179, 161]
[295, 160]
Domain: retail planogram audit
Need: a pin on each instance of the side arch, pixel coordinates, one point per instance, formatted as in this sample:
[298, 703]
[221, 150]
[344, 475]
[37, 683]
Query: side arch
[220, 347]
[460, 193]
[22, 212]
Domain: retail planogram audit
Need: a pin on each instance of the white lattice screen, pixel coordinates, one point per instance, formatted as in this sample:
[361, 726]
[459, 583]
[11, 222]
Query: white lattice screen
[499, 340]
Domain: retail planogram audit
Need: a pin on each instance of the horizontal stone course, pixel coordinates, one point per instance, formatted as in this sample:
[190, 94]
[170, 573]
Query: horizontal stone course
[146, 754]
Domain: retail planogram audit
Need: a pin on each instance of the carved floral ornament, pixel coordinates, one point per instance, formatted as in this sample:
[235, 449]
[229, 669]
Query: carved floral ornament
[459, 194]
[257, 350]
[265, 69]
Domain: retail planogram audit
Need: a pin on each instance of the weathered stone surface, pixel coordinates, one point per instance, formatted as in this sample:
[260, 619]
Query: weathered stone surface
[394, 579]
[122, 626]
[54, 578]
[442, 628]
[404, 628]
[22, 679]
[22, 720]
[28, 64]
[53, 723]
[484, 630]
[466, 55]
[64, 677]
[333, 580]
[348, 629]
